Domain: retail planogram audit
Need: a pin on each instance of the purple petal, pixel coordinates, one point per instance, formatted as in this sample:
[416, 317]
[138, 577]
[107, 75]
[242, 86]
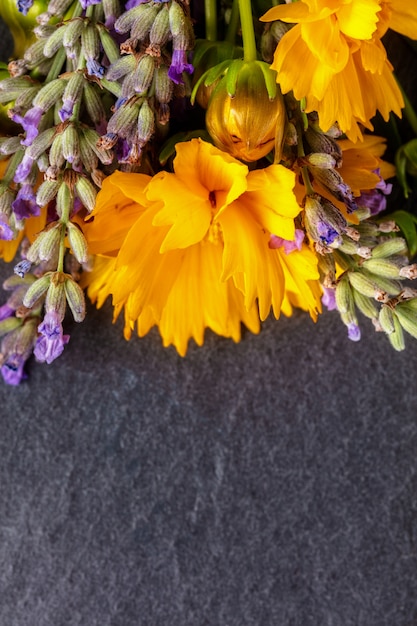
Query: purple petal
[354, 332]
[179, 65]
[329, 299]
[24, 6]
[30, 123]
[25, 204]
[50, 344]
[23, 169]
[12, 369]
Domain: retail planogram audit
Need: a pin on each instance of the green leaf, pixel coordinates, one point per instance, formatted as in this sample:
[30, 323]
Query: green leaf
[408, 225]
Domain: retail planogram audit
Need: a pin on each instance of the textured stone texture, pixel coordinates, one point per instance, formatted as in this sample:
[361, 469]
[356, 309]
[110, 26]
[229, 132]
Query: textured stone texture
[269, 483]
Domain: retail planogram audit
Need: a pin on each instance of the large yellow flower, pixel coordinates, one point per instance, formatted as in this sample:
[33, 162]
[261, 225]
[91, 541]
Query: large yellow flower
[196, 247]
[346, 76]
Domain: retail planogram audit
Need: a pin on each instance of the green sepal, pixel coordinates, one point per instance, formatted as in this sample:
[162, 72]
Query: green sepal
[233, 72]
[270, 77]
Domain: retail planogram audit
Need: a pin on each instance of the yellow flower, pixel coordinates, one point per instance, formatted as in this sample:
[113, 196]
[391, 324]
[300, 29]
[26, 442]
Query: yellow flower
[197, 254]
[346, 76]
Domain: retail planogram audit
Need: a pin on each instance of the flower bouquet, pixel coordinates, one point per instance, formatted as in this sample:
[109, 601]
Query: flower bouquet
[202, 165]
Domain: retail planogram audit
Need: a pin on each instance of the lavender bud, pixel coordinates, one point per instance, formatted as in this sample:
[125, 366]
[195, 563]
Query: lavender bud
[36, 290]
[56, 157]
[54, 42]
[63, 200]
[51, 341]
[93, 103]
[73, 30]
[90, 42]
[47, 192]
[70, 144]
[121, 67]
[75, 299]
[58, 7]
[109, 45]
[86, 193]
[386, 319]
[143, 74]
[146, 123]
[160, 30]
[92, 138]
[124, 23]
[141, 27]
[382, 267]
[163, 85]
[77, 242]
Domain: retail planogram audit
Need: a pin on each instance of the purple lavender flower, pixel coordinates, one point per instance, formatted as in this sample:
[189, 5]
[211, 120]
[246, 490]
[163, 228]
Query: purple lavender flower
[23, 169]
[24, 6]
[326, 233]
[6, 233]
[12, 369]
[6, 311]
[375, 199]
[50, 344]
[25, 204]
[328, 299]
[89, 3]
[66, 111]
[288, 244]
[354, 332]
[179, 65]
[30, 122]
[95, 69]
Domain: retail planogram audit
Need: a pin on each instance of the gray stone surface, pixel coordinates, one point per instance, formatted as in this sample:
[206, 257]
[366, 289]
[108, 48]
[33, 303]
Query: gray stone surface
[269, 483]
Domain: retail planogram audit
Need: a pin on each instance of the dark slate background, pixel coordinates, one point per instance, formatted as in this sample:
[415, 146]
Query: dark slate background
[269, 483]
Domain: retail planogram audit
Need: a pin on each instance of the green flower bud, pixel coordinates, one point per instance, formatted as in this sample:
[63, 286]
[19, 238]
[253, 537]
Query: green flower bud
[407, 317]
[363, 284]
[365, 305]
[320, 159]
[56, 157]
[37, 290]
[77, 242]
[64, 200]
[382, 267]
[386, 319]
[391, 247]
[146, 123]
[109, 45]
[396, 338]
[143, 74]
[49, 94]
[86, 192]
[47, 192]
[73, 30]
[54, 42]
[160, 30]
[90, 42]
[344, 296]
[55, 296]
[75, 298]
[70, 144]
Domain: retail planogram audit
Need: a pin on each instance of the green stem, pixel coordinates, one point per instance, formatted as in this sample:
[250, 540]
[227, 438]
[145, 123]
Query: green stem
[248, 33]
[56, 66]
[304, 170]
[210, 11]
[409, 110]
[111, 86]
[233, 23]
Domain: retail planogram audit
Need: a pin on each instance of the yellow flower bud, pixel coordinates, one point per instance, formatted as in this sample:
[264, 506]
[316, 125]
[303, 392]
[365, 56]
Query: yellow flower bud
[249, 123]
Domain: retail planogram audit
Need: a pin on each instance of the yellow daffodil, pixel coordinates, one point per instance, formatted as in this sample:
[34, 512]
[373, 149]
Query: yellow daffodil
[346, 76]
[195, 247]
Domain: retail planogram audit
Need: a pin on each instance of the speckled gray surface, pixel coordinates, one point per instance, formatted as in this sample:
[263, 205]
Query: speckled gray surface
[269, 483]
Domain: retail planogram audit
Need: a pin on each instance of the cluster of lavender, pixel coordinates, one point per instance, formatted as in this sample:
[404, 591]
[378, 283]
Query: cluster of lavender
[361, 265]
[89, 94]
